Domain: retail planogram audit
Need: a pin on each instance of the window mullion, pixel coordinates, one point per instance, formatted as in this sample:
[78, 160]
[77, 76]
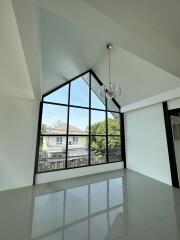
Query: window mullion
[89, 150]
[107, 153]
[67, 139]
[38, 142]
[122, 139]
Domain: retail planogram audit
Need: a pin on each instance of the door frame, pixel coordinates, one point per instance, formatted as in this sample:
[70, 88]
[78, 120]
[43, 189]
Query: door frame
[170, 144]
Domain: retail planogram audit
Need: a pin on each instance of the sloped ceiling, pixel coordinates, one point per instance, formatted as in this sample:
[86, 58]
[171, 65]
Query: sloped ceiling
[160, 16]
[73, 34]
[67, 50]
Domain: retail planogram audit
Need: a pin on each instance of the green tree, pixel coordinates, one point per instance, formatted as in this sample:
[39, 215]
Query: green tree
[113, 126]
[43, 130]
[98, 142]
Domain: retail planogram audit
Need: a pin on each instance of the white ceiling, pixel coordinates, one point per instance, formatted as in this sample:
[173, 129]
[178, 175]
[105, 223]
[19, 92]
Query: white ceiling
[162, 16]
[138, 79]
[73, 34]
[68, 50]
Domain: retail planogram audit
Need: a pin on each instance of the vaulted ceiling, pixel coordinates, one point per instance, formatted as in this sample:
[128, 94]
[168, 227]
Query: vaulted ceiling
[160, 16]
[62, 38]
[68, 50]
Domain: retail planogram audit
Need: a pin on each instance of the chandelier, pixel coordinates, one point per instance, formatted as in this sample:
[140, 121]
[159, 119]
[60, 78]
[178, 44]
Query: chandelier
[109, 90]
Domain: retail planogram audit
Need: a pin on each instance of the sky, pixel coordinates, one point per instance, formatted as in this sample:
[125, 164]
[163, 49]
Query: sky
[79, 96]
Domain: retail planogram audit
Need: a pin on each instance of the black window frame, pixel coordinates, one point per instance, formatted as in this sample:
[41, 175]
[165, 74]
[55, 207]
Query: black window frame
[89, 135]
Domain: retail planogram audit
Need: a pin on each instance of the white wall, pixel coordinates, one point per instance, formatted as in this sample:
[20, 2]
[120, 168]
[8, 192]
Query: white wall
[146, 144]
[77, 172]
[174, 103]
[18, 129]
[18, 109]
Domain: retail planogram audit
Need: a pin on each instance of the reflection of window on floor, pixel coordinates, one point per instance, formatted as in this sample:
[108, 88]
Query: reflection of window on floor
[90, 211]
[80, 132]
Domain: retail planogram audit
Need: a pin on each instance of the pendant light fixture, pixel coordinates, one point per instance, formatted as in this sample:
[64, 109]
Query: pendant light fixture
[109, 90]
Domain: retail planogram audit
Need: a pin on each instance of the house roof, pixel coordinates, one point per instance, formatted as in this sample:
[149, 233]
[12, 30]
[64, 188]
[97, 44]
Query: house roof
[62, 129]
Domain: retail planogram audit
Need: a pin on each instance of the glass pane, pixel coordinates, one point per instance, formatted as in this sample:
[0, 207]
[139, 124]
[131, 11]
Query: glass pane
[114, 149]
[98, 123]
[78, 121]
[112, 106]
[77, 151]
[98, 150]
[59, 96]
[113, 123]
[52, 153]
[79, 95]
[175, 123]
[97, 101]
[54, 119]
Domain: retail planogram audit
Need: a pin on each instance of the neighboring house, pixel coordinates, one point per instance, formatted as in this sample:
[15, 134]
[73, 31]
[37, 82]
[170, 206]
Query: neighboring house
[54, 147]
[61, 129]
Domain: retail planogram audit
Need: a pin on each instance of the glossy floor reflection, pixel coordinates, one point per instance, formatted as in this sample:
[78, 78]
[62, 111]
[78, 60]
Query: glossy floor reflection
[85, 212]
[112, 206]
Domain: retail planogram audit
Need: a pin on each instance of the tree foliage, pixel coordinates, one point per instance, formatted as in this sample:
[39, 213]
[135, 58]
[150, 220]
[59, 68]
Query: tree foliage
[98, 142]
[43, 130]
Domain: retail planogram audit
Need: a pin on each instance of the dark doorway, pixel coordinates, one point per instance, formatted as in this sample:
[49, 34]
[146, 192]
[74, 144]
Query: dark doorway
[175, 125]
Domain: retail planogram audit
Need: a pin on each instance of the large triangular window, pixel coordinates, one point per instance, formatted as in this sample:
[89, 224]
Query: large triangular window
[78, 127]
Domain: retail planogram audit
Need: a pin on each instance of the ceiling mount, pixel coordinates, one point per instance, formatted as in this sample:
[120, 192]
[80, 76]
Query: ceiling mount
[109, 45]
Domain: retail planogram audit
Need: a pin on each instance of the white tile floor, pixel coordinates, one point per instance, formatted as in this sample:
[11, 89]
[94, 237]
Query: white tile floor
[115, 205]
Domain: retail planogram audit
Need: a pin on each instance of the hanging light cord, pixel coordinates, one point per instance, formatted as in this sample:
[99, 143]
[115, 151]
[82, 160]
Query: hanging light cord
[111, 90]
[109, 65]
